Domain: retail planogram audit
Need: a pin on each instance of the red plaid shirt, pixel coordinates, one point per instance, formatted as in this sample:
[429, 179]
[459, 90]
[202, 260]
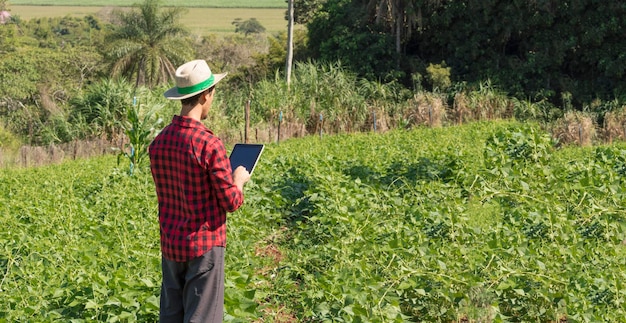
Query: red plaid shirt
[195, 189]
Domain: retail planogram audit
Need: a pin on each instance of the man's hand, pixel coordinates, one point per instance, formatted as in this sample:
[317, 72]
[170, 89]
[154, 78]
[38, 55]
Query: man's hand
[240, 177]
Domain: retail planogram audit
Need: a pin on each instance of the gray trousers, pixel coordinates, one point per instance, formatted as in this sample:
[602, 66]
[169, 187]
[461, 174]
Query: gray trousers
[193, 291]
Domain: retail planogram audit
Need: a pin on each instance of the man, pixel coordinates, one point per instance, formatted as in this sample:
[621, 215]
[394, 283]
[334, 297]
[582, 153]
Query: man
[195, 187]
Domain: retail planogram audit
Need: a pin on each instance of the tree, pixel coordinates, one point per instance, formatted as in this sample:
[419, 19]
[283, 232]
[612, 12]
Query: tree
[250, 26]
[400, 17]
[340, 32]
[267, 64]
[148, 44]
[305, 10]
[397, 15]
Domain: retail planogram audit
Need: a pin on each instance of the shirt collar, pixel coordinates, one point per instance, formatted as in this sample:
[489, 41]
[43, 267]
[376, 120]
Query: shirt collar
[187, 122]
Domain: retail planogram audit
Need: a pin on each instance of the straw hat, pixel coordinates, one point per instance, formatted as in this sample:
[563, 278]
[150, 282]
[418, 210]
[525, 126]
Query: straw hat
[192, 78]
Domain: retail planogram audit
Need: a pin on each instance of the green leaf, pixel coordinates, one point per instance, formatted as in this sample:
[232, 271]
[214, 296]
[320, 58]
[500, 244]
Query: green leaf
[58, 293]
[91, 305]
[148, 282]
[152, 303]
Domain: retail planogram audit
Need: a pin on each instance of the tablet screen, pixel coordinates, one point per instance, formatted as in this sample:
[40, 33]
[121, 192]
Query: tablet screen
[246, 155]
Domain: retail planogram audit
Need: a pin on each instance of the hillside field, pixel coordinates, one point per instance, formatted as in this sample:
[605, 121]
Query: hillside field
[173, 3]
[484, 222]
[200, 21]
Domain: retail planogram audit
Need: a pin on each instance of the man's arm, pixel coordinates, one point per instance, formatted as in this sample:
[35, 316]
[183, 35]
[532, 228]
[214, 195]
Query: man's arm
[229, 192]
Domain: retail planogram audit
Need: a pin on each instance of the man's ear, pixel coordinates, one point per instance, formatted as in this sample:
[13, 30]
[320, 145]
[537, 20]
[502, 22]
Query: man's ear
[205, 96]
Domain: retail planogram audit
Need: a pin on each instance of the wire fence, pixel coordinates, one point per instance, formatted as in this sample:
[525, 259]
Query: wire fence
[281, 129]
[33, 156]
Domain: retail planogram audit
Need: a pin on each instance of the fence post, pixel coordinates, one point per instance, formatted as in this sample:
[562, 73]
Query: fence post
[580, 134]
[374, 114]
[430, 116]
[280, 120]
[24, 156]
[247, 117]
[321, 124]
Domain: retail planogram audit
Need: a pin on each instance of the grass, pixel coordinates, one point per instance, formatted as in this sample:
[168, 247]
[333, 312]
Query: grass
[180, 3]
[198, 20]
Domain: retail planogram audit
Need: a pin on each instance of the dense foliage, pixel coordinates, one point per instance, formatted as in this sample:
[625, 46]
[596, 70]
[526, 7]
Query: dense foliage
[545, 49]
[340, 34]
[486, 222]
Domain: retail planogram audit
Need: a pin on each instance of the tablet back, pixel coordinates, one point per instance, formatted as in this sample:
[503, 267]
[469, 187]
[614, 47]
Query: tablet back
[246, 155]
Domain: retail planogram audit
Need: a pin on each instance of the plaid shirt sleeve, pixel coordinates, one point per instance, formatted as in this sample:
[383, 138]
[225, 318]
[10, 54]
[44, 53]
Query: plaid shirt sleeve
[227, 194]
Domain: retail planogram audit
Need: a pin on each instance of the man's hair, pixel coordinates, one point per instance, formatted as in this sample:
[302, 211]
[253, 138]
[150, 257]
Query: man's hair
[193, 100]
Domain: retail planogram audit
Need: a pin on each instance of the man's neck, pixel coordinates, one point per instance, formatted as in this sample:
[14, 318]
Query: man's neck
[194, 112]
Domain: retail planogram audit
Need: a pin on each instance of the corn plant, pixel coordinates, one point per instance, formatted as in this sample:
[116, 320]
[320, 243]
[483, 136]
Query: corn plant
[140, 131]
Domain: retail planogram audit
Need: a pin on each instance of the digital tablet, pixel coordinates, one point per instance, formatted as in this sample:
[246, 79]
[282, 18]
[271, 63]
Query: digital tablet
[246, 155]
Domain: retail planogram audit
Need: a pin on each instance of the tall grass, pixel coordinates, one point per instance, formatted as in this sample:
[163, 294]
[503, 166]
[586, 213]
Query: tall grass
[615, 124]
[485, 102]
[574, 127]
[320, 95]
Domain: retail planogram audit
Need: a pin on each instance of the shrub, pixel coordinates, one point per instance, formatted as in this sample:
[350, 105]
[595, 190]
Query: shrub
[439, 76]
[8, 140]
[9, 145]
[103, 106]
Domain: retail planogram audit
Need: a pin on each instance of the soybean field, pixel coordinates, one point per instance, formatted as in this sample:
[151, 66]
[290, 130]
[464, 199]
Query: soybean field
[485, 222]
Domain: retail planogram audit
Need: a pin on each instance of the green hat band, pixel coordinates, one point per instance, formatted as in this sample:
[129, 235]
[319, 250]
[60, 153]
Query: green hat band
[198, 87]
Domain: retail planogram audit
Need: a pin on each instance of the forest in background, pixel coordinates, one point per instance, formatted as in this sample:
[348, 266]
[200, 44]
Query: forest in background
[358, 65]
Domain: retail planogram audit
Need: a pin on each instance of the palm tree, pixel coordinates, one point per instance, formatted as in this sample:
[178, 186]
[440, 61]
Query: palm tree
[148, 44]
